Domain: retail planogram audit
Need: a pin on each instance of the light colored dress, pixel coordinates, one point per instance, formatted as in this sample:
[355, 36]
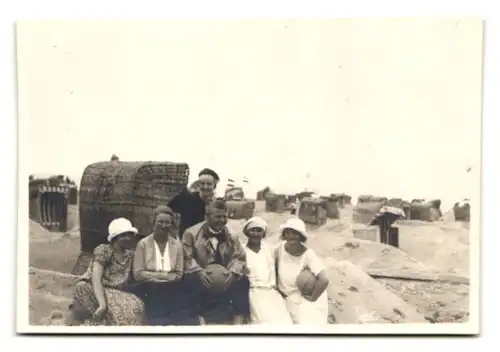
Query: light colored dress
[266, 303]
[301, 310]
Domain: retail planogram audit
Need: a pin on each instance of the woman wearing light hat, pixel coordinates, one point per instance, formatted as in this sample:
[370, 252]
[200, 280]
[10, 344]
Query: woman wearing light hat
[266, 303]
[100, 297]
[292, 257]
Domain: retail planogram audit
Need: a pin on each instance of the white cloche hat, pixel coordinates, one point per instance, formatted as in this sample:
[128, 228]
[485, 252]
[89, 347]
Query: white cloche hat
[120, 226]
[295, 224]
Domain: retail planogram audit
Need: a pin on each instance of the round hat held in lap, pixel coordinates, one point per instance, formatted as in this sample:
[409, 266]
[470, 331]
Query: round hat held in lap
[218, 274]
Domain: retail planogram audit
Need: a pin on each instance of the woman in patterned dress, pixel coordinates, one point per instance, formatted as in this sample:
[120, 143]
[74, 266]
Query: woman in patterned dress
[101, 296]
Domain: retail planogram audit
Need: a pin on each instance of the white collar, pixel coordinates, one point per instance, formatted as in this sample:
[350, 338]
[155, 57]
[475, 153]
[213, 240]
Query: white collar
[214, 232]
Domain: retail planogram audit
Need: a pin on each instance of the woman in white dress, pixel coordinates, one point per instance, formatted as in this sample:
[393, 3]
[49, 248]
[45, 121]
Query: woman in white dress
[292, 256]
[266, 303]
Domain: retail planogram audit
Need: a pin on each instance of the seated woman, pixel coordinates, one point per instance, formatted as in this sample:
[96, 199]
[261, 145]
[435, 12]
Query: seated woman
[158, 265]
[266, 303]
[292, 256]
[101, 297]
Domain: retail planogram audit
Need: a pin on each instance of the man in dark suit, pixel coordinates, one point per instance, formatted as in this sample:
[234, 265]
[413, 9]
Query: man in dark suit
[191, 203]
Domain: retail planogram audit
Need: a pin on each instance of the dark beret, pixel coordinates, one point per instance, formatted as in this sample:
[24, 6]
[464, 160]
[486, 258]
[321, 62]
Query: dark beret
[210, 172]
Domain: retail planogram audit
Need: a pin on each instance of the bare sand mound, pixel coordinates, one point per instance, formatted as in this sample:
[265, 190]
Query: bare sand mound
[55, 250]
[367, 255]
[441, 246]
[52, 250]
[442, 302]
[53, 282]
[356, 298]
[47, 309]
[49, 296]
[442, 260]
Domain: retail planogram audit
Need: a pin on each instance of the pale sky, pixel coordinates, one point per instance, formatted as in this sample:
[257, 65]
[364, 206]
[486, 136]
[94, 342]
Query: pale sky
[385, 107]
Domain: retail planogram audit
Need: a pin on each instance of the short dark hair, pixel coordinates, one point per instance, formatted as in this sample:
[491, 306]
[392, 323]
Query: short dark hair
[162, 209]
[217, 204]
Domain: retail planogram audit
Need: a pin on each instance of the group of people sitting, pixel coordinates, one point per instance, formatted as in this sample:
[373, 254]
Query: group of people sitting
[163, 278]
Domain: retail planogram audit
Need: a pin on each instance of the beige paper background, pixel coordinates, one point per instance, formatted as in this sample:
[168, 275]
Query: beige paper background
[271, 100]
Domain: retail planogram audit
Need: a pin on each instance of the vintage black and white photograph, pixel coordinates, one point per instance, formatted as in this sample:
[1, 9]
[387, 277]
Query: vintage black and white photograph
[261, 176]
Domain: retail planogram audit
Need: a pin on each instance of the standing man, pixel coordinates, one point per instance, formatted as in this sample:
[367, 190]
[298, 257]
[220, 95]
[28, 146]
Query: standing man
[191, 202]
[210, 242]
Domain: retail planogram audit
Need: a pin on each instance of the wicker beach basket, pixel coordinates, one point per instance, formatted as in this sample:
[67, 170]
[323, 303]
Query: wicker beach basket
[125, 189]
[429, 211]
[275, 203]
[313, 211]
[332, 206]
[461, 212]
[240, 209]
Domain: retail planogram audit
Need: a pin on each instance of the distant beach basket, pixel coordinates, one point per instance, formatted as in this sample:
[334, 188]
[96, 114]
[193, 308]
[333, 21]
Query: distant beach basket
[332, 206]
[240, 209]
[428, 211]
[313, 211]
[275, 203]
[461, 211]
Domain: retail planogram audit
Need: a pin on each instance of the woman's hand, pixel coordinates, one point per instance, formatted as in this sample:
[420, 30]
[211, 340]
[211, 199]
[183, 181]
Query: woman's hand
[99, 313]
[229, 280]
[171, 277]
[168, 277]
[310, 298]
[162, 277]
[319, 288]
[205, 279]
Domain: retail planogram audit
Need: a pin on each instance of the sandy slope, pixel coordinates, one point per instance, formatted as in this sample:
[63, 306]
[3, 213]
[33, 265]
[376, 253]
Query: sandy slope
[53, 250]
[425, 249]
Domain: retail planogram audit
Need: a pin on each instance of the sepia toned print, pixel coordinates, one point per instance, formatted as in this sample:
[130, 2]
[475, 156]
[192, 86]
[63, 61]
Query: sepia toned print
[284, 176]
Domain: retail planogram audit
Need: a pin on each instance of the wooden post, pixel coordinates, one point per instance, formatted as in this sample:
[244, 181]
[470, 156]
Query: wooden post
[384, 231]
[393, 236]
